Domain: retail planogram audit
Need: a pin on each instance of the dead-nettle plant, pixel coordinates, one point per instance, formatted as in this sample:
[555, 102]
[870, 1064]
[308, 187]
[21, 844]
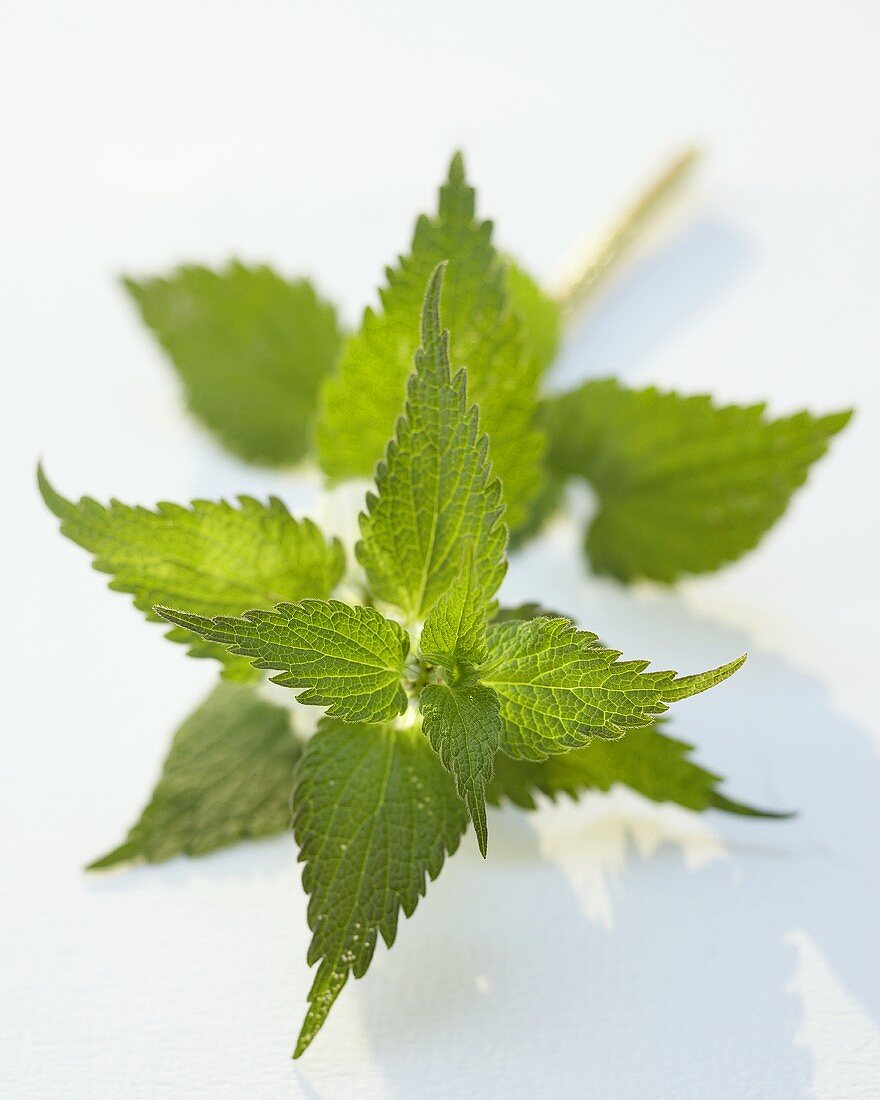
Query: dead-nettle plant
[423, 684]
[436, 702]
[683, 484]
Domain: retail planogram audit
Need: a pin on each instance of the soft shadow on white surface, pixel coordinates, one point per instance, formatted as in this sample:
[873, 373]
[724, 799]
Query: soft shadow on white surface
[662, 291]
[610, 949]
[248, 863]
[635, 950]
[189, 980]
[849, 1064]
[509, 981]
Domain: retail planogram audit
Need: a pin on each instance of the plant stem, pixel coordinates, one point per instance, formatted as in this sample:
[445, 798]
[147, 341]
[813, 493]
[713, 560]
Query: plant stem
[593, 266]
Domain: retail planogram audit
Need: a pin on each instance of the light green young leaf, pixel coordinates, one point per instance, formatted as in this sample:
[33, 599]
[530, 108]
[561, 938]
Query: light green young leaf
[211, 557]
[436, 496]
[228, 777]
[539, 314]
[559, 687]
[348, 659]
[455, 627]
[360, 404]
[462, 723]
[252, 350]
[684, 485]
[375, 813]
[646, 760]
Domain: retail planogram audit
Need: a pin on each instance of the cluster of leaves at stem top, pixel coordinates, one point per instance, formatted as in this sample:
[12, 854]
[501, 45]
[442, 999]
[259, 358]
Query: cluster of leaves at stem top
[685, 485]
[435, 701]
[378, 803]
[413, 744]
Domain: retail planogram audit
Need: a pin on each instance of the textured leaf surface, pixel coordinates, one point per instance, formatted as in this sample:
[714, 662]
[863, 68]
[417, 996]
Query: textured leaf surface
[375, 816]
[436, 497]
[348, 659]
[227, 777]
[646, 760]
[455, 627]
[212, 557]
[360, 404]
[684, 485]
[559, 687]
[464, 727]
[252, 350]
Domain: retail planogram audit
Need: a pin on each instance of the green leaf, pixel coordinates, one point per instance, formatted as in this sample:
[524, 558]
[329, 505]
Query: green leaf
[348, 659]
[211, 557]
[646, 760]
[252, 350]
[227, 777]
[436, 496]
[525, 611]
[684, 485]
[455, 627]
[542, 510]
[462, 722]
[375, 813]
[559, 687]
[360, 404]
[539, 314]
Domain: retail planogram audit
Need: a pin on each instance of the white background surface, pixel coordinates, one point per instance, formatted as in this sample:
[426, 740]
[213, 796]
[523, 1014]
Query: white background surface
[612, 949]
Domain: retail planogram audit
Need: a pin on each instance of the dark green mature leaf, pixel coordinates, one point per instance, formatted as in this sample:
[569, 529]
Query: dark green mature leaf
[348, 659]
[252, 350]
[684, 485]
[462, 722]
[211, 557]
[375, 814]
[559, 687]
[646, 760]
[227, 777]
[436, 497]
[360, 404]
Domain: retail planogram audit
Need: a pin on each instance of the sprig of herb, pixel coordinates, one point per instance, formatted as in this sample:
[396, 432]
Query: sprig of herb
[407, 750]
[685, 485]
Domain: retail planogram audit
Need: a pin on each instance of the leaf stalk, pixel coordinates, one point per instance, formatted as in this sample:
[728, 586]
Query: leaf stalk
[590, 267]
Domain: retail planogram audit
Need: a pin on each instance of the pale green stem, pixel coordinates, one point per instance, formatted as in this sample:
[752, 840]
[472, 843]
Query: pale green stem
[593, 267]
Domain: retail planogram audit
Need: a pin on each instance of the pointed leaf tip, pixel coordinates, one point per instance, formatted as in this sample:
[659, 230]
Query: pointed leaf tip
[431, 306]
[683, 687]
[361, 399]
[376, 816]
[125, 853]
[482, 834]
[212, 557]
[58, 505]
[617, 438]
[456, 167]
[719, 801]
[304, 1041]
[646, 760]
[361, 654]
[179, 618]
[227, 778]
[463, 725]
